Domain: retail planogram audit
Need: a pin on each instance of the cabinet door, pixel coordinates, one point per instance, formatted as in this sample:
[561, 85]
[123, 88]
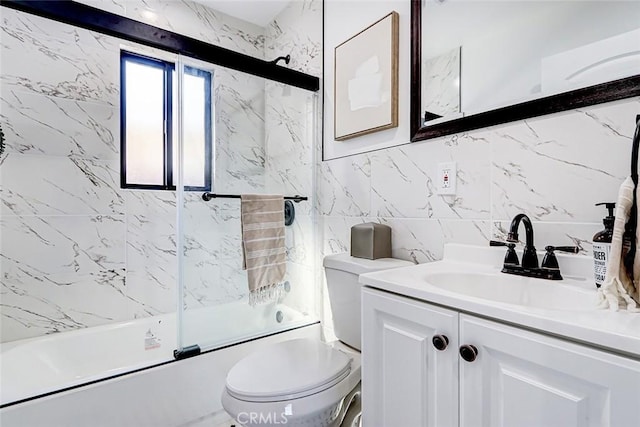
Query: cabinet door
[522, 378]
[406, 381]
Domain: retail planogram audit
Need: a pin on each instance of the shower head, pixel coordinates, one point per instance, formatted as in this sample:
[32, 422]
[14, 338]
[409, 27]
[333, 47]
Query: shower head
[286, 59]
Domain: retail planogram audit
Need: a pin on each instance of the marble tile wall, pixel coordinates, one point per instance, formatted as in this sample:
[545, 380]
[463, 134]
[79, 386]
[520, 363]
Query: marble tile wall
[62, 220]
[291, 117]
[553, 168]
[78, 251]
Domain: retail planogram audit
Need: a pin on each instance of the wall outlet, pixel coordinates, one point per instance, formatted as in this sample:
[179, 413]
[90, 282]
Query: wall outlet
[446, 178]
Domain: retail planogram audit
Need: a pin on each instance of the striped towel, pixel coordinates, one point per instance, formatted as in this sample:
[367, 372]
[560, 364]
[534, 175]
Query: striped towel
[263, 247]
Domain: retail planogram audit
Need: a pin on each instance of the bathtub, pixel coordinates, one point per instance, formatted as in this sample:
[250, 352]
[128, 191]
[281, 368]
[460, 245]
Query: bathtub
[38, 366]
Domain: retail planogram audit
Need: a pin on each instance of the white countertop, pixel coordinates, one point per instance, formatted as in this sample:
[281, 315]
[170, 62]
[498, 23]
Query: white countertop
[616, 331]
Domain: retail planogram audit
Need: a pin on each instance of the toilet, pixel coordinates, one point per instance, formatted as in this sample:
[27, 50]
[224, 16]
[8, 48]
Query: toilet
[306, 382]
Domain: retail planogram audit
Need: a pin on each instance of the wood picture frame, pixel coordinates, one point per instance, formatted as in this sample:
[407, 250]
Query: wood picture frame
[366, 80]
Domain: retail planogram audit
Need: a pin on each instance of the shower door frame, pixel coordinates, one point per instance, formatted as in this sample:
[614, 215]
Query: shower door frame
[101, 21]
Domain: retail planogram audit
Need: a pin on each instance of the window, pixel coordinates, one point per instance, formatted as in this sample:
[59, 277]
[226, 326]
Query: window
[148, 94]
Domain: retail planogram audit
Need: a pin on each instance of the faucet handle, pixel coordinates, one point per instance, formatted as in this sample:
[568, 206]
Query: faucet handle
[511, 257]
[499, 243]
[550, 261]
[570, 249]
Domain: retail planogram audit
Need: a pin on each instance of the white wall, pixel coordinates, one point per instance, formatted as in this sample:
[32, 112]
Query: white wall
[343, 20]
[553, 168]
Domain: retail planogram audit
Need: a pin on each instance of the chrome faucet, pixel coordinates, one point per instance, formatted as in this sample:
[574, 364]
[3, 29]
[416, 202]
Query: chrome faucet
[529, 256]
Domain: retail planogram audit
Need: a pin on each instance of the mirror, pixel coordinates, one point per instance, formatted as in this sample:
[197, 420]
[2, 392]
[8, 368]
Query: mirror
[478, 63]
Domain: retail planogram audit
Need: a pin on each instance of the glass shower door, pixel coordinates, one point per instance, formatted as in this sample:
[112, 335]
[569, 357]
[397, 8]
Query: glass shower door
[261, 142]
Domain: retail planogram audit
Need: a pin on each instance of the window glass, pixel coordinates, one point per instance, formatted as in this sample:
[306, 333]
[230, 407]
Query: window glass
[149, 139]
[195, 125]
[144, 118]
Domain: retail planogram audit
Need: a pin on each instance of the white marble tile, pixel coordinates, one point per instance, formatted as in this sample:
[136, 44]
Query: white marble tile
[215, 238]
[211, 282]
[43, 64]
[36, 124]
[288, 125]
[37, 305]
[404, 179]
[113, 6]
[557, 167]
[200, 21]
[291, 181]
[56, 247]
[216, 211]
[233, 280]
[46, 29]
[151, 292]
[239, 151]
[301, 288]
[48, 185]
[336, 233]
[212, 252]
[297, 31]
[151, 252]
[344, 186]
[61, 273]
[159, 204]
[423, 240]
[289, 140]
[299, 241]
[239, 169]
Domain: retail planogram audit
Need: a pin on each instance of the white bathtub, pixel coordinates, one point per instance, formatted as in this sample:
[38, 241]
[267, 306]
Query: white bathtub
[41, 365]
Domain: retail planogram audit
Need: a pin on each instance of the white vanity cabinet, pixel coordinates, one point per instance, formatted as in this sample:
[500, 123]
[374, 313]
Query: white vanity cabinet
[406, 381]
[518, 377]
[524, 378]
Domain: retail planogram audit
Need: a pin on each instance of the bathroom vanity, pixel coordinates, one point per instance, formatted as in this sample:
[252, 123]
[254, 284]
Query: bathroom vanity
[456, 342]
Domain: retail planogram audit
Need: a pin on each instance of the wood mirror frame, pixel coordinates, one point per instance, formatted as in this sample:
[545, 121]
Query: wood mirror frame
[627, 87]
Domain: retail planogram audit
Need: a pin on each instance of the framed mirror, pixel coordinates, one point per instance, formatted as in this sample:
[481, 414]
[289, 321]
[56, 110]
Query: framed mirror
[478, 63]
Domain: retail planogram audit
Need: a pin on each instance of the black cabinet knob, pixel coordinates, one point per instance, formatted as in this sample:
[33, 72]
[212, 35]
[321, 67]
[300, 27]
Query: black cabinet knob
[469, 352]
[440, 342]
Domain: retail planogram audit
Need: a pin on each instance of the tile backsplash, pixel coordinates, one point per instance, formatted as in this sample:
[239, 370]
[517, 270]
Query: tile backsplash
[553, 168]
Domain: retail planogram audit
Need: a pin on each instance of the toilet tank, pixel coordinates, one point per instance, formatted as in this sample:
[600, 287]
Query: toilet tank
[342, 271]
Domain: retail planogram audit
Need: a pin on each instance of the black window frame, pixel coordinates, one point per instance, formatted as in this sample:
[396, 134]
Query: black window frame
[168, 69]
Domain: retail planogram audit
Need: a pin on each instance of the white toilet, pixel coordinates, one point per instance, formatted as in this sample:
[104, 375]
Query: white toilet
[304, 382]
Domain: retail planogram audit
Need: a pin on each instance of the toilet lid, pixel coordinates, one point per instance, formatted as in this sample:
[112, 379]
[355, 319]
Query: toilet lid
[287, 370]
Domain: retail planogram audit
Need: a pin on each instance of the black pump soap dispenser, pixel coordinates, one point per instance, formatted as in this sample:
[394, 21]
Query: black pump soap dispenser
[602, 245]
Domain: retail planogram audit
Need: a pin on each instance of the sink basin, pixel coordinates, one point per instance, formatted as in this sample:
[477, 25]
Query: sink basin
[518, 290]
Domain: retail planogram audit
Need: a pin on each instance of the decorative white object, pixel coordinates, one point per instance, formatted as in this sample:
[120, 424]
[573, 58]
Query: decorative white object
[366, 80]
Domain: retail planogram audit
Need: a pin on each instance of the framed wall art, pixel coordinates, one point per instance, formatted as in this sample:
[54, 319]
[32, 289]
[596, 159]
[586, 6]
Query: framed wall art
[366, 80]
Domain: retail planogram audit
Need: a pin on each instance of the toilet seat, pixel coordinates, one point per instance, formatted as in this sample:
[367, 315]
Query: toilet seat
[288, 370]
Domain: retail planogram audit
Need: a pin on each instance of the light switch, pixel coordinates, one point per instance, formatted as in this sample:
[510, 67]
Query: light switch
[447, 178]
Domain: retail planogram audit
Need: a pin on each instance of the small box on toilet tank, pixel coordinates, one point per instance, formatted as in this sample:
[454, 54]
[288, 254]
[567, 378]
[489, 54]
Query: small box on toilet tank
[371, 241]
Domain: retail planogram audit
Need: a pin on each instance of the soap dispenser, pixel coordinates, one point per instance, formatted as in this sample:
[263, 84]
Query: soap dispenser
[602, 245]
